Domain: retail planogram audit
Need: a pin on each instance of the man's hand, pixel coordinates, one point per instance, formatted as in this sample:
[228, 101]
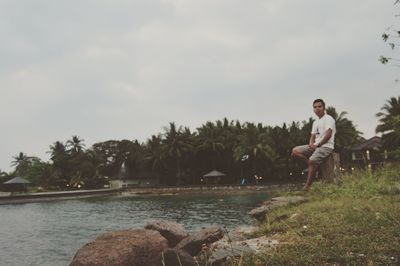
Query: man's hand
[312, 147]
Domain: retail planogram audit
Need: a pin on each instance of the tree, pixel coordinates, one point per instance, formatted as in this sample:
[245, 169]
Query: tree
[177, 143]
[75, 145]
[154, 153]
[22, 163]
[346, 134]
[107, 153]
[256, 143]
[62, 168]
[391, 36]
[210, 142]
[389, 119]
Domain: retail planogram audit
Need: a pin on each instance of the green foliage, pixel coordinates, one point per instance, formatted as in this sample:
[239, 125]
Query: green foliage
[390, 37]
[389, 123]
[179, 156]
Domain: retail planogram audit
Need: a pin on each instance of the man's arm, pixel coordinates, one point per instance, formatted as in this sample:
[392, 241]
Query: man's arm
[327, 136]
[312, 140]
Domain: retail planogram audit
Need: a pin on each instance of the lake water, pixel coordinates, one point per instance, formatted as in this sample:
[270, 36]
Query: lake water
[50, 233]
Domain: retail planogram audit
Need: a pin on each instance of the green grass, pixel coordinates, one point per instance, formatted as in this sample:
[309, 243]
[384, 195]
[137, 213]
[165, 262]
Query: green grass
[356, 223]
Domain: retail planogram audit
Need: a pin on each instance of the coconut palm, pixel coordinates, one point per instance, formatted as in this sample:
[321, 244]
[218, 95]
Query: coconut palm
[57, 151]
[346, 133]
[389, 126]
[75, 145]
[21, 162]
[154, 152]
[256, 143]
[177, 143]
[210, 141]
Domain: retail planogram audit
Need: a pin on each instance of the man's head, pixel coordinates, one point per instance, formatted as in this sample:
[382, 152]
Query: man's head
[319, 107]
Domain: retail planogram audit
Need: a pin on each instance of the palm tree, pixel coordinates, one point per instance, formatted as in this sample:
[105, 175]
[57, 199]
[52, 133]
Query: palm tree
[57, 150]
[389, 126]
[154, 152]
[282, 145]
[75, 145]
[177, 143]
[210, 140]
[255, 143]
[132, 154]
[62, 165]
[21, 162]
[346, 133]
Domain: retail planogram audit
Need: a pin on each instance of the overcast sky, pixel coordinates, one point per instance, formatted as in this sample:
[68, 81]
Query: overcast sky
[123, 69]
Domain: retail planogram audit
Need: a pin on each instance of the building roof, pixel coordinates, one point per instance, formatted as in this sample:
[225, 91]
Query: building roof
[17, 180]
[214, 173]
[372, 143]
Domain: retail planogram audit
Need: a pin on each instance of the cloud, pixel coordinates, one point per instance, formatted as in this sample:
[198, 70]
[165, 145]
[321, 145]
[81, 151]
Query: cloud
[124, 69]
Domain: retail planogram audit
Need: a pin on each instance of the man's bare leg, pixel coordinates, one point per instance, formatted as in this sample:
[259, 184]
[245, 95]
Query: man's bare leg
[296, 153]
[312, 170]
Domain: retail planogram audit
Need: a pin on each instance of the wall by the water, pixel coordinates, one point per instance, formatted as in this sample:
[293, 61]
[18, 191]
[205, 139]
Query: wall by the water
[209, 189]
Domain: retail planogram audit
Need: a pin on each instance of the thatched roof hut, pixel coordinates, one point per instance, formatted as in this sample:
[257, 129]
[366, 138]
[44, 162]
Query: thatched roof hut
[16, 184]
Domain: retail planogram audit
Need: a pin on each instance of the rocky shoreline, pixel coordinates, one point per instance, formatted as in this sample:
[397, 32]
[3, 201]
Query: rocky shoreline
[169, 244]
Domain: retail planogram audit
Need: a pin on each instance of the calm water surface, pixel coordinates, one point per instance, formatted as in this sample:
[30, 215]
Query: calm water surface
[49, 233]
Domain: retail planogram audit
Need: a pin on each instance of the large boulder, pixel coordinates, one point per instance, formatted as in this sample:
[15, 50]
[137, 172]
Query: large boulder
[193, 243]
[134, 247]
[173, 232]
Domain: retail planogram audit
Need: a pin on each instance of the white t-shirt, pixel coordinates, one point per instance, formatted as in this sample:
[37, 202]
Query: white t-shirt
[320, 126]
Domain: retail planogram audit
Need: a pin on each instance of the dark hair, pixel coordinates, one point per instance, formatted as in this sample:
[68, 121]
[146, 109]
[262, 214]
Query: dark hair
[319, 101]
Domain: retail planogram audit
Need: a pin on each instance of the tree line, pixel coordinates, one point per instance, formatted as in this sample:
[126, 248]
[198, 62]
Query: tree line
[180, 156]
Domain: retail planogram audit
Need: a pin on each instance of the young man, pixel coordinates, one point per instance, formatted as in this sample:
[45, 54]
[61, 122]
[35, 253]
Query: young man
[321, 142]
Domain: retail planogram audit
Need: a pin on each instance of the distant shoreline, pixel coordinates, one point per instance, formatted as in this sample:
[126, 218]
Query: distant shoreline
[59, 195]
[141, 191]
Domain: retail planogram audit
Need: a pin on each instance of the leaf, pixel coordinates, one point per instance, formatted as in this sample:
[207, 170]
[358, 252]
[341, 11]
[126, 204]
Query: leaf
[385, 36]
[384, 60]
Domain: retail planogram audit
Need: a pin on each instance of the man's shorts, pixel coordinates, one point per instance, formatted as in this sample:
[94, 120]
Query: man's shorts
[318, 155]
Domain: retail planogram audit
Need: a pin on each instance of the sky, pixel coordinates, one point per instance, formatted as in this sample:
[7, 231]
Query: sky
[124, 69]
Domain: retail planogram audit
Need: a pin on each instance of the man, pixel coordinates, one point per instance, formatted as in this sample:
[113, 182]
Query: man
[321, 142]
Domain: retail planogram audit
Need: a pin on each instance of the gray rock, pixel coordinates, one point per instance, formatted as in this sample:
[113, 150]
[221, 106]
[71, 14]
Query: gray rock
[123, 248]
[193, 243]
[223, 250]
[172, 231]
[260, 212]
[290, 199]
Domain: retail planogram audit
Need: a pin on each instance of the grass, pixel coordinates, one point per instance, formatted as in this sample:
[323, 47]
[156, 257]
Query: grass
[356, 223]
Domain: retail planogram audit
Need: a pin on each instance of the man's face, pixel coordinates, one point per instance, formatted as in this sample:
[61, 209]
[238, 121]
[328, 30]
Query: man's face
[319, 109]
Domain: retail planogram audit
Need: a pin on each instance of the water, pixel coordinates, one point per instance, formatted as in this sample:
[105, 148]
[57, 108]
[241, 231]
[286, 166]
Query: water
[50, 233]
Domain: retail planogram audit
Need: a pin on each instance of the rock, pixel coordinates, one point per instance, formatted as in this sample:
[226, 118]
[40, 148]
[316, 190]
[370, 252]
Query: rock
[134, 247]
[261, 244]
[221, 251]
[173, 257]
[290, 199]
[224, 249]
[193, 243]
[260, 212]
[242, 233]
[173, 232]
